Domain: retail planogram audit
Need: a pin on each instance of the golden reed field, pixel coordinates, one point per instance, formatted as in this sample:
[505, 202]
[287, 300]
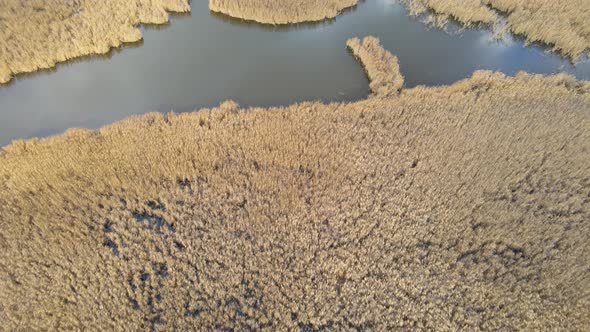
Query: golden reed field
[461, 207]
[281, 11]
[36, 34]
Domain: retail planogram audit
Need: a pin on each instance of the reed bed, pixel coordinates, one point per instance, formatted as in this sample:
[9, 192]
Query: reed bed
[37, 34]
[381, 66]
[462, 207]
[281, 11]
[563, 24]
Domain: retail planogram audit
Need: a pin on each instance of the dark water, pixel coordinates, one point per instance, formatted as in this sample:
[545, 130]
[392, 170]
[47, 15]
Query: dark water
[203, 59]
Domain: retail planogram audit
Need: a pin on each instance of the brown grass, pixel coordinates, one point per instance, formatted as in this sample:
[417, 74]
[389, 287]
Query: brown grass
[381, 66]
[36, 34]
[465, 11]
[565, 24]
[281, 11]
[462, 207]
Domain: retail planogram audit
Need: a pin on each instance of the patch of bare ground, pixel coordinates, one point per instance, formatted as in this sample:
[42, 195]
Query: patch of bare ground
[281, 11]
[37, 34]
[462, 207]
[564, 24]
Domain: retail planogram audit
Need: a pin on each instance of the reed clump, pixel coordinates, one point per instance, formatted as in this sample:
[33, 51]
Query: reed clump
[381, 66]
[563, 24]
[37, 34]
[281, 11]
[462, 207]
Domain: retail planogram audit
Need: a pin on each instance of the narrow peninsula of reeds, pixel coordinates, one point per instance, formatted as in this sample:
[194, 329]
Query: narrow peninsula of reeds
[381, 66]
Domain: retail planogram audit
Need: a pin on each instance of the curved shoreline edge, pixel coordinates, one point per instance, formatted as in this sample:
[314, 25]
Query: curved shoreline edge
[37, 34]
[564, 26]
[279, 12]
[387, 213]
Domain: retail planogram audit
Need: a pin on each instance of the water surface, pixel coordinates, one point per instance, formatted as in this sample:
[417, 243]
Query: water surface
[202, 59]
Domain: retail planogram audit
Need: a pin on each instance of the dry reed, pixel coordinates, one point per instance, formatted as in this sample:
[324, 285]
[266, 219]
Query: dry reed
[36, 34]
[564, 24]
[281, 11]
[462, 207]
[381, 66]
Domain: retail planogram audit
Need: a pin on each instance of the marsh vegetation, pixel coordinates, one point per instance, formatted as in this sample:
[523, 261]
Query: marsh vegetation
[381, 66]
[281, 11]
[36, 34]
[454, 207]
[563, 24]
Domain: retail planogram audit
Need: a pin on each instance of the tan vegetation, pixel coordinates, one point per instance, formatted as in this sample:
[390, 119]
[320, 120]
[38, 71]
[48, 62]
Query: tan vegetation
[36, 34]
[464, 11]
[565, 24]
[462, 207]
[281, 11]
[381, 66]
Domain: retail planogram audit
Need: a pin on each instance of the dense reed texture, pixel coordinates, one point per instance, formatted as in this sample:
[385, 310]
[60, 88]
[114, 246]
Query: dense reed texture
[37, 34]
[281, 11]
[462, 207]
[381, 66]
[564, 24]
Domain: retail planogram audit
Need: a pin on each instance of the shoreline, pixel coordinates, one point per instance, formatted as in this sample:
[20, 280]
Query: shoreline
[282, 12]
[29, 50]
[536, 21]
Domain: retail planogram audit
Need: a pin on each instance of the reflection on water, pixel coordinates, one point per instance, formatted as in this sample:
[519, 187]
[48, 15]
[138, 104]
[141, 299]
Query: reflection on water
[202, 59]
